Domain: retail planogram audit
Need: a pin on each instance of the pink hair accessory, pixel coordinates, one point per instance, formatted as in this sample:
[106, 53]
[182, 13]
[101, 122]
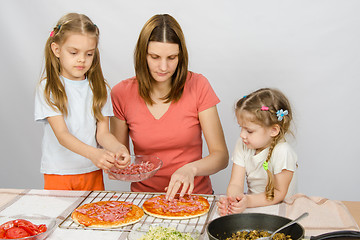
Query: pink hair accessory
[52, 34]
[264, 108]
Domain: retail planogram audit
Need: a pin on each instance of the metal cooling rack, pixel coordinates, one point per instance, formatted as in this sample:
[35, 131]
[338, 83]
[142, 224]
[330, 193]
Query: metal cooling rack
[138, 198]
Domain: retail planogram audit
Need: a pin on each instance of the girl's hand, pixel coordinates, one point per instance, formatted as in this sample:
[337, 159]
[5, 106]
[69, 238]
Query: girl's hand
[184, 177]
[103, 159]
[223, 205]
[237, 204]
[122, 158]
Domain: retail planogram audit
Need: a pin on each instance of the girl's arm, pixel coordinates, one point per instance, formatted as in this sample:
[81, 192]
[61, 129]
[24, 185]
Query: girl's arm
[282, 182]
[216, 160]
[100, 157]
[236, 184]
[235, 192]
[109, 142]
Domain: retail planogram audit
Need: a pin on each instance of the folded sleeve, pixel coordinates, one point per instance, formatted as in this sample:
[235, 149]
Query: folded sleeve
[206, 95]
[42, 109]
[107, 109]
[238, 156]
[284, 158]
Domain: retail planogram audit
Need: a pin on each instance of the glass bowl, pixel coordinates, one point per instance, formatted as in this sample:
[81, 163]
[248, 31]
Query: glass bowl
[36, 219]
[141, 167]
[139, 231]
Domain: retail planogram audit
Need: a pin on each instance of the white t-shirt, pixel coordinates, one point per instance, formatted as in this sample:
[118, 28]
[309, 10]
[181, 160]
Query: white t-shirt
[80, 122]
[283, 157]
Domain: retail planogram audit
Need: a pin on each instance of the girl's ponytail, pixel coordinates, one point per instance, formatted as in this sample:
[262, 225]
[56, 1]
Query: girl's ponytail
[54, 93]
[269, 189]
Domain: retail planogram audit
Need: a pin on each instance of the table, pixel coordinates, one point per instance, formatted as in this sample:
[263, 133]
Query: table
[59, 204]
[354, 209]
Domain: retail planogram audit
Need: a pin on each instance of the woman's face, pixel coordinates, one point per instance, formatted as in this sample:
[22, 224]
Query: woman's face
[162, 59]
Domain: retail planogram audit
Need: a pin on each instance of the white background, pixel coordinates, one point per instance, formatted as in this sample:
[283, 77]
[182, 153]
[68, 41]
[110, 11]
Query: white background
[309, 49]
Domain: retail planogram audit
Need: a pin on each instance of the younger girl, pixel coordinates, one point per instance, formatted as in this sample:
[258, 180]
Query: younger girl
[74, 104]
[261, 153]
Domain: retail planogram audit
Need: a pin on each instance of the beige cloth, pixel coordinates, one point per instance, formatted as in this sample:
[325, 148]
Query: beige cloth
[324, 215]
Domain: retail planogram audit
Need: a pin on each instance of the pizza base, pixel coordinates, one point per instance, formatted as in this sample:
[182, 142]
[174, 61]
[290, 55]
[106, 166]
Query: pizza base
[149, 209]
[183, 217]
[135, 215]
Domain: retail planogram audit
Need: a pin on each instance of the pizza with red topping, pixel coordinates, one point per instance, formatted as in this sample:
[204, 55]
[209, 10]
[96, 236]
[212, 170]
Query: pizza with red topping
[107, 214]
[189, 206]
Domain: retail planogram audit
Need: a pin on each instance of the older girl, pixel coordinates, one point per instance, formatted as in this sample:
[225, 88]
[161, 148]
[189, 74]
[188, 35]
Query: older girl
[73, 102]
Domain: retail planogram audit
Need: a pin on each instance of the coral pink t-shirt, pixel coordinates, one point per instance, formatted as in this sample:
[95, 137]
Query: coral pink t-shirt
[175, 138]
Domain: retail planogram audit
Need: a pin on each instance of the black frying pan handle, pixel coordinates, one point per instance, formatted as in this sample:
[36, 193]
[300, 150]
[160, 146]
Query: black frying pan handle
[338, 234]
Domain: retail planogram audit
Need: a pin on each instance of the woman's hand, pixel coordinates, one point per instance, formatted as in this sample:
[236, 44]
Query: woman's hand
[184, 177]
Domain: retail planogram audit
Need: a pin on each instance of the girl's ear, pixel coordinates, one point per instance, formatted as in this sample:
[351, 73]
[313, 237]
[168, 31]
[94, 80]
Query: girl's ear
[55, 49]
[275, 130]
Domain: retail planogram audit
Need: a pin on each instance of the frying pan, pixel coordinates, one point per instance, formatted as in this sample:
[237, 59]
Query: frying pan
[223, 227]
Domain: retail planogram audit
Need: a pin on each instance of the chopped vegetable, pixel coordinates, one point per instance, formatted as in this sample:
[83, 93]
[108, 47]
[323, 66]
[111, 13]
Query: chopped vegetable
[255, 234]
[20, 228]
[164, 233]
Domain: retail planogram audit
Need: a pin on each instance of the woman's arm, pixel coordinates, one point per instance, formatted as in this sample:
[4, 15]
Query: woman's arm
[100, 157]
[120, 130]
[216, 160]
[282, 182]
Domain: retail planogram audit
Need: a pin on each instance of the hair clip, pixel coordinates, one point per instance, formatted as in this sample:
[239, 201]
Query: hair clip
[281, 113]
[266, 165]
[244, 96]
[264, 108]
[53, 32]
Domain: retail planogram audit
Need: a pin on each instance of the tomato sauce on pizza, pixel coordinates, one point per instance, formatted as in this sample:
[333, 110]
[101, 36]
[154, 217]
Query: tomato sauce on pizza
[185, 207]
[107, 214]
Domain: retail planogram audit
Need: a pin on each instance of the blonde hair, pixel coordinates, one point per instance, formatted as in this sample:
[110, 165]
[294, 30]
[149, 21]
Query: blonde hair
[263, 105]
[55, 94]
[160, 28]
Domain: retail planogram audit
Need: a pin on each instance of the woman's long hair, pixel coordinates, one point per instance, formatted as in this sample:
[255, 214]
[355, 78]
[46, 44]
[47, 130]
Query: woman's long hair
[160, 28]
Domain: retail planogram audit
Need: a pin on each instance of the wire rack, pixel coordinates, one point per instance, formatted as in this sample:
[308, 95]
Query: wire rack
[137, 198]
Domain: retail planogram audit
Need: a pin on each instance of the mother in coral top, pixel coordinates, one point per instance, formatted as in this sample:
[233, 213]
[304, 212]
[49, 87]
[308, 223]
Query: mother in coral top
[165, 109]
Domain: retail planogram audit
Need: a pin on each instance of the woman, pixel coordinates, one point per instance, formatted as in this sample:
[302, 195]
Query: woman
[165, 108]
